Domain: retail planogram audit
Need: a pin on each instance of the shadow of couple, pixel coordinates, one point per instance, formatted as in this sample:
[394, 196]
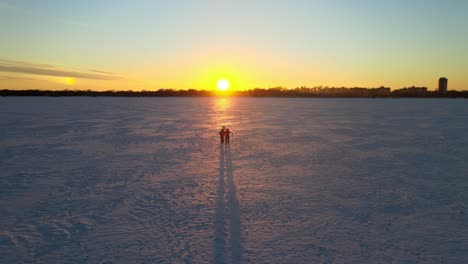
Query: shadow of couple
[227, 218]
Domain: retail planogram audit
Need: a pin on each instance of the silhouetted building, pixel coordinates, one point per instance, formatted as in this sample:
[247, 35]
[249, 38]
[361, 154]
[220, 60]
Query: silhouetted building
[443, 84]
[382, 91]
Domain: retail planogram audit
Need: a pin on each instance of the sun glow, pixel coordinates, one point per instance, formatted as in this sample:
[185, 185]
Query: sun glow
[69, 81]
[223, 84]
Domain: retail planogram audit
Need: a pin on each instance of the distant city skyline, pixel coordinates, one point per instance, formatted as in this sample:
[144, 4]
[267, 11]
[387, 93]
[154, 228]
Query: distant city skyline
[148, 45]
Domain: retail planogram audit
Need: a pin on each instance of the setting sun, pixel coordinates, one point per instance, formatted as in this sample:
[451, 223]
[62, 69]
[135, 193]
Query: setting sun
[223, 85]
[69, 81]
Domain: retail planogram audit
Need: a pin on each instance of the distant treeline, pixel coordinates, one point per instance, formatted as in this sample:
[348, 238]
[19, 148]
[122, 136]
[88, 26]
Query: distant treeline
[257, 92]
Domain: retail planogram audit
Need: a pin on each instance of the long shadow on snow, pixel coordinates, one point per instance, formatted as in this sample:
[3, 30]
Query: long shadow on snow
[233, 206]
[219, 237]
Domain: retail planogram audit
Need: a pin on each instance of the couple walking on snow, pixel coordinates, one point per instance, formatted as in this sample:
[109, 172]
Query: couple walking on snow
[224, 135]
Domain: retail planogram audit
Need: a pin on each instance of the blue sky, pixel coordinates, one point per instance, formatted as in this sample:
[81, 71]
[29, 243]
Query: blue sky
[188, 44]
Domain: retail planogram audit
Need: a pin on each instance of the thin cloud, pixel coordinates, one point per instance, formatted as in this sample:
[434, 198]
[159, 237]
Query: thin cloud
[3, 77]
[54, 71]
[103, 72]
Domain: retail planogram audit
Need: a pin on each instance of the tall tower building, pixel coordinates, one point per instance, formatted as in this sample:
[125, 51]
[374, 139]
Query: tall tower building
[443, 83]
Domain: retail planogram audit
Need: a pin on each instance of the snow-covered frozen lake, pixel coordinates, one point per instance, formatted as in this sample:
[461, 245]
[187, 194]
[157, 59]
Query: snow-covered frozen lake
[145, 180]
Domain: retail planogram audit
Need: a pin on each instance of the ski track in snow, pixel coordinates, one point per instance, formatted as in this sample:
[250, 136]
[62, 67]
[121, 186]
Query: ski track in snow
[145, 180]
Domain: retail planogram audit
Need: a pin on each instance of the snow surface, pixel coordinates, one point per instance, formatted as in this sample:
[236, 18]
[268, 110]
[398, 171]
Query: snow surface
[145, 180]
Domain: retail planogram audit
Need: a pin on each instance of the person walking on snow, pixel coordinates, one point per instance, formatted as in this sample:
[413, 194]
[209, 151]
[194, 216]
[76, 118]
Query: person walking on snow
[222, 134]
[227, 135]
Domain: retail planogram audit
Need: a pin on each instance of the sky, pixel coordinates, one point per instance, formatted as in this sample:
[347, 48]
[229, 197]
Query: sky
[149, 45]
